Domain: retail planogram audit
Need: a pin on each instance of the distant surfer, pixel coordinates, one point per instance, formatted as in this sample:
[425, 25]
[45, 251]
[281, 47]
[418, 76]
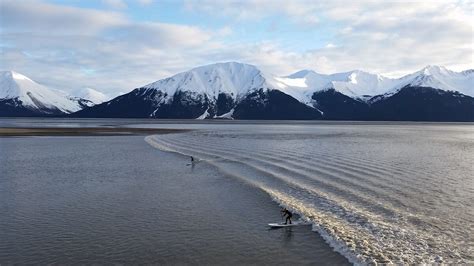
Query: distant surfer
[286, 213]
[192, 161]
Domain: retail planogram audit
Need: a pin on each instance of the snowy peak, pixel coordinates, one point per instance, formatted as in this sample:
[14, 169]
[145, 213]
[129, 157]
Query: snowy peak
[435, 70]
[92, 95]
[356, 84]
[13, 76]
[235, 79]
[441, 78]
[12, 83]
[362, 85]
[302, 74]
[34, 96]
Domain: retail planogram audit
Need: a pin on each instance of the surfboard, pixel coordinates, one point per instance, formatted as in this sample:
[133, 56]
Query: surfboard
[275, 225]
[296, 223]
[195, 162]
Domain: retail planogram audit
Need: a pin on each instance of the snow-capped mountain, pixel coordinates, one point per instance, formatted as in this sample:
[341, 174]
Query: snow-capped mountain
[433, 93]
[222, 90]
[356, 84]
[231, 78]
[21, 96]
[92, 95]
[362, 85]
[437, 77]
[242, 91]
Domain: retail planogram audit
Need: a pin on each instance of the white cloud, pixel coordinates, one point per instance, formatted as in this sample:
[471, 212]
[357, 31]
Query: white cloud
[39, 17]
[300, 11]
[70, 48]
[380, 36]
[117, 4]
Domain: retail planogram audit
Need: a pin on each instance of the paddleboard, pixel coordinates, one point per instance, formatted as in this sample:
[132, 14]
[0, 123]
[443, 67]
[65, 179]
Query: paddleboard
[275, 225]
[195, 162]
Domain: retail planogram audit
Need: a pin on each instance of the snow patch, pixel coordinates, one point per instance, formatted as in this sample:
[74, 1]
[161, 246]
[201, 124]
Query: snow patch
[227, 115]
[92, 95]
[204, 115]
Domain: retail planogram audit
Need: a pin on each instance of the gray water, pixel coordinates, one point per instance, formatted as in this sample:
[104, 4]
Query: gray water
[100, 200]
[376, 192]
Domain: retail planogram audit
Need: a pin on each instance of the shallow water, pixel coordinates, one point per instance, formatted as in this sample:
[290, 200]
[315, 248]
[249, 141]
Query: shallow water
[97, 200]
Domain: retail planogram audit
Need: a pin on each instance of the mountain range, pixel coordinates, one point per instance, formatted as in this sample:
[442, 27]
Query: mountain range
[241, 91]
[21, 96]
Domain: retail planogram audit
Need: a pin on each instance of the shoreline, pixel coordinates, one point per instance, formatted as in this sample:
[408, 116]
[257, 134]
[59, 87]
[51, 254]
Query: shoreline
[84, 131]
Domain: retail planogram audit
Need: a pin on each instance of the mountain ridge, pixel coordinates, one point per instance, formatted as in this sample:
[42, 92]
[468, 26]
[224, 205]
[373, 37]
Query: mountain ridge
[21, 96]
[235, 90]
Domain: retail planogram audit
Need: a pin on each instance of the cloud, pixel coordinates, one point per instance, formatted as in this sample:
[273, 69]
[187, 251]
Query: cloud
[71, 48]
[379, 36]
[300, 11]
[39, 17]
[116, 4]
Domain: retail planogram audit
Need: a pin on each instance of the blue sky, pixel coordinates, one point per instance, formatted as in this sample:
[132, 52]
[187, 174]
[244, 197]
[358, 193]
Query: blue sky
[116, 45]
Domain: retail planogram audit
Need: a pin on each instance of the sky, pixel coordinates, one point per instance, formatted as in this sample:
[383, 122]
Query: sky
[114, 46]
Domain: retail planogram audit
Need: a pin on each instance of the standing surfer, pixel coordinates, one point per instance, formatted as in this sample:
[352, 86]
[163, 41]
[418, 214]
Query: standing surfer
[288, 215]
[192, 161]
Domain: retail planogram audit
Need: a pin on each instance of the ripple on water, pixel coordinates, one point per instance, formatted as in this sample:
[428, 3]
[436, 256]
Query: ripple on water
[370, 208]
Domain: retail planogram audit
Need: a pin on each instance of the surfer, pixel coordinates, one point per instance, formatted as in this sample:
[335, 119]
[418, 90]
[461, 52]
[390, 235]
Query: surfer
[192, 159]
[288, 215]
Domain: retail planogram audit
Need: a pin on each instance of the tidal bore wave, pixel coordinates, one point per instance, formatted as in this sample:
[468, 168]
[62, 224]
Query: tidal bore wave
[372, 209]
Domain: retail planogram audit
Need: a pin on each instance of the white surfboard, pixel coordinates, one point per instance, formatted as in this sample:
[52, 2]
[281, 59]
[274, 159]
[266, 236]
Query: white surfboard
[276, 225]
[279, 225]
[195, 162]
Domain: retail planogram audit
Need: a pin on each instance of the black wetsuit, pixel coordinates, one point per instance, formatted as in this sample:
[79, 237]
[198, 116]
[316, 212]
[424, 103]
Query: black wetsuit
[288, 215]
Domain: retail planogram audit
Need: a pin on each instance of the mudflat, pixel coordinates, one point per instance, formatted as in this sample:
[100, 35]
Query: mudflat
[82, 131]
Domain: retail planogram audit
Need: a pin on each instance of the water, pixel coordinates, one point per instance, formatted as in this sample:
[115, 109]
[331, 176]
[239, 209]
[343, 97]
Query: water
[376, 192]
[116, 199]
